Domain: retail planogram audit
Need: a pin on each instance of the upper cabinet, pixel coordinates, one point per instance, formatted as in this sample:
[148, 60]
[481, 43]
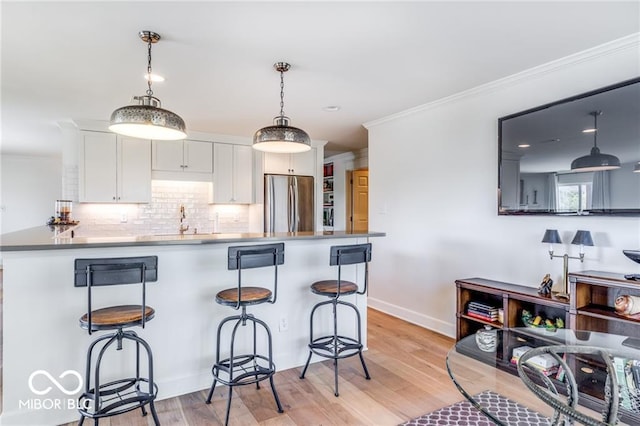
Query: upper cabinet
[182, 160]
[114, 169]
[291, 164]
[233, 174]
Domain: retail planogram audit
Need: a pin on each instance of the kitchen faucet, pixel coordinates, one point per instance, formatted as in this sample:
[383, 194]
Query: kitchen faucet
[183, 226]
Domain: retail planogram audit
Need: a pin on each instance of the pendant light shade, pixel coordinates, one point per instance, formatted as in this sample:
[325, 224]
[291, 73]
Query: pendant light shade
[595, 161]
[281, 137]
[147, 119]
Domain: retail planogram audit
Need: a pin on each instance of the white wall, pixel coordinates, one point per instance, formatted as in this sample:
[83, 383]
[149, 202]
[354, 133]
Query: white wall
[433, 180]
[29, 188]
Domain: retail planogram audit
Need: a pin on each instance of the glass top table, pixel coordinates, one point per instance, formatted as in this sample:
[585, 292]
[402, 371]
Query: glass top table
[540, 376]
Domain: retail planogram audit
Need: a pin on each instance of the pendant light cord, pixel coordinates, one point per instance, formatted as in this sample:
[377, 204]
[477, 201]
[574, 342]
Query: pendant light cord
[149, 91]
[281, 93]
[595, 126]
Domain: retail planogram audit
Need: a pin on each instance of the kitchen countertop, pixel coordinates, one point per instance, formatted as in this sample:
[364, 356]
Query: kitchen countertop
[51, 238]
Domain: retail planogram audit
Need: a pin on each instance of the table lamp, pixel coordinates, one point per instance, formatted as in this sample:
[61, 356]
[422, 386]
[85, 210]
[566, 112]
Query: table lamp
[582, 238]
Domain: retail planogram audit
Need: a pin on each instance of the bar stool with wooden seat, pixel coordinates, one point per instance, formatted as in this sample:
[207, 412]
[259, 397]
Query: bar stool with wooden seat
[336, 346]
[247, 368]
[122, 395]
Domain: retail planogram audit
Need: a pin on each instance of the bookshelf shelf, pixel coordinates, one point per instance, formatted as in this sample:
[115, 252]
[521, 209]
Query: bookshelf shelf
[327, 197]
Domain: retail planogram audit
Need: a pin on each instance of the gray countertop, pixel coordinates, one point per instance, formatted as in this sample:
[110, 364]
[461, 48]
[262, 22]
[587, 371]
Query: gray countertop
[53, 238]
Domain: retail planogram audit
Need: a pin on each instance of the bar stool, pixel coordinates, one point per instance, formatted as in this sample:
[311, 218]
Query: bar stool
[247, 368]
[336, 346]
[127, 394]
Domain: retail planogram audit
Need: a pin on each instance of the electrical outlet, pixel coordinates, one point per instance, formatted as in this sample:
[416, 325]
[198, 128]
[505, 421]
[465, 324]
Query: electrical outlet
[283, 324]
[123, 218]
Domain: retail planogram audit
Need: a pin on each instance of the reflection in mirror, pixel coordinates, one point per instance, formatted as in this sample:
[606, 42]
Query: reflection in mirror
[577, 156]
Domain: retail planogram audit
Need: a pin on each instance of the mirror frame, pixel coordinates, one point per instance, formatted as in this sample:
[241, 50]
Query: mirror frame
[526, 212]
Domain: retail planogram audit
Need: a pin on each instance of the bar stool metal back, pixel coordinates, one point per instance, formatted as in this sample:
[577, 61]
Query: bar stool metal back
[247, 368]
[120, 396]
[337, 346]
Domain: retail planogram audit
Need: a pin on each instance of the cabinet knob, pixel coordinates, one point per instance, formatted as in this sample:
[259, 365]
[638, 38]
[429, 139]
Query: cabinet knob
[114, 198]
[185, 166]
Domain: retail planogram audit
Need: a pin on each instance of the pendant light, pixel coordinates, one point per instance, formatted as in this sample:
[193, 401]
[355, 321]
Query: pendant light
[281, 137]
[147, 120]
[595, 161]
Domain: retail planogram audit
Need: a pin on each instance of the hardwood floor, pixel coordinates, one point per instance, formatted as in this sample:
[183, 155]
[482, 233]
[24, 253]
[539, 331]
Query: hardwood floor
[408, 379]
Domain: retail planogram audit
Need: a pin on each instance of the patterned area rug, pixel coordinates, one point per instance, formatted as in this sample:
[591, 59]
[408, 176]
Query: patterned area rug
[465, 414]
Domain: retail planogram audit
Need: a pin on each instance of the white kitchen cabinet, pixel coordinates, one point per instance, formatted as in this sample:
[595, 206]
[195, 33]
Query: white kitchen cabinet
[194, 158]
[114, 169]
[233, 174]
[303, 163]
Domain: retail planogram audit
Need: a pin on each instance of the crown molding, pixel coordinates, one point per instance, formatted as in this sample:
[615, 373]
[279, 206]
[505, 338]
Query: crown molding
[631, 41]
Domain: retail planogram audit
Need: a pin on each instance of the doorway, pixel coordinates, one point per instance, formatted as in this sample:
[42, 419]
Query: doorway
[357, 200]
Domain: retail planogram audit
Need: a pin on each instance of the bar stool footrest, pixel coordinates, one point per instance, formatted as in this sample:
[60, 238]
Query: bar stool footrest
[120, 396]
[245, 368]
[335, 347]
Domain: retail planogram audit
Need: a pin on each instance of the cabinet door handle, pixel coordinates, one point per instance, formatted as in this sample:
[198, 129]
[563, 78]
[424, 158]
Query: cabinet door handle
[114, 198]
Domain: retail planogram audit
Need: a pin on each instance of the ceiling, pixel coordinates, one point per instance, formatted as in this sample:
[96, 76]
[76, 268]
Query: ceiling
[64, 61]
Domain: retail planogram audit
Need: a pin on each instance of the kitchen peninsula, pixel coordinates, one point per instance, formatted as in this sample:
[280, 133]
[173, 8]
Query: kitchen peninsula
[41, 308]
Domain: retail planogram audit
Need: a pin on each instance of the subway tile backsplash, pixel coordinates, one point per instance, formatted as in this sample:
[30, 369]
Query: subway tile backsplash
[162, 215]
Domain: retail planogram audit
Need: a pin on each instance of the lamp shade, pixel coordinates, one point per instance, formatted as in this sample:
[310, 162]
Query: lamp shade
[281, 138]
[582, 238]
[595, 161]
[551, 236]
[147, 119]
[147, 122]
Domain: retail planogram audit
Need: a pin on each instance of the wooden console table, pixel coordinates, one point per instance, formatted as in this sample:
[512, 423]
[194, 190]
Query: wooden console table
[589, 309]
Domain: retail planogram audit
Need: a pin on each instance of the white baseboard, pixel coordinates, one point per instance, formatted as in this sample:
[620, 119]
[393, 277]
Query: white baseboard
[417, 318]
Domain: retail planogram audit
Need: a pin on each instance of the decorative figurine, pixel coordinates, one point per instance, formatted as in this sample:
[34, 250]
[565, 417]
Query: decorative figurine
[545, 285]
[627, 305]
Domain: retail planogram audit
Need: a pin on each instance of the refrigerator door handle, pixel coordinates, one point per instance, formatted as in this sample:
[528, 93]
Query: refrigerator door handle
[296, 207]
[272, 203]
[291, 205]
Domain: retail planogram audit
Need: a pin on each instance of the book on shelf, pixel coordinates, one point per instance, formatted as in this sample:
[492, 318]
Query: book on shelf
[481, 312]
[561, 373]
[628, 372]
[547, 371]
[619, 364]
[482, 317]
[482, 307]
[545, 363]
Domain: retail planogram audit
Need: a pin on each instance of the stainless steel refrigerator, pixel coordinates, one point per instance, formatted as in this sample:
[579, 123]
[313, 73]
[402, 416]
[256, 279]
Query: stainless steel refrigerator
[288, 203]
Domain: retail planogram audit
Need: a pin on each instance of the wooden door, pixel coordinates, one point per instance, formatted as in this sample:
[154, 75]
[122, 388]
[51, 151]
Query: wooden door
[360, 200]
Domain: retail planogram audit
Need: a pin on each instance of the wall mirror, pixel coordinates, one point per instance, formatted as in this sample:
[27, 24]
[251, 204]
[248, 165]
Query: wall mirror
[576, 156]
